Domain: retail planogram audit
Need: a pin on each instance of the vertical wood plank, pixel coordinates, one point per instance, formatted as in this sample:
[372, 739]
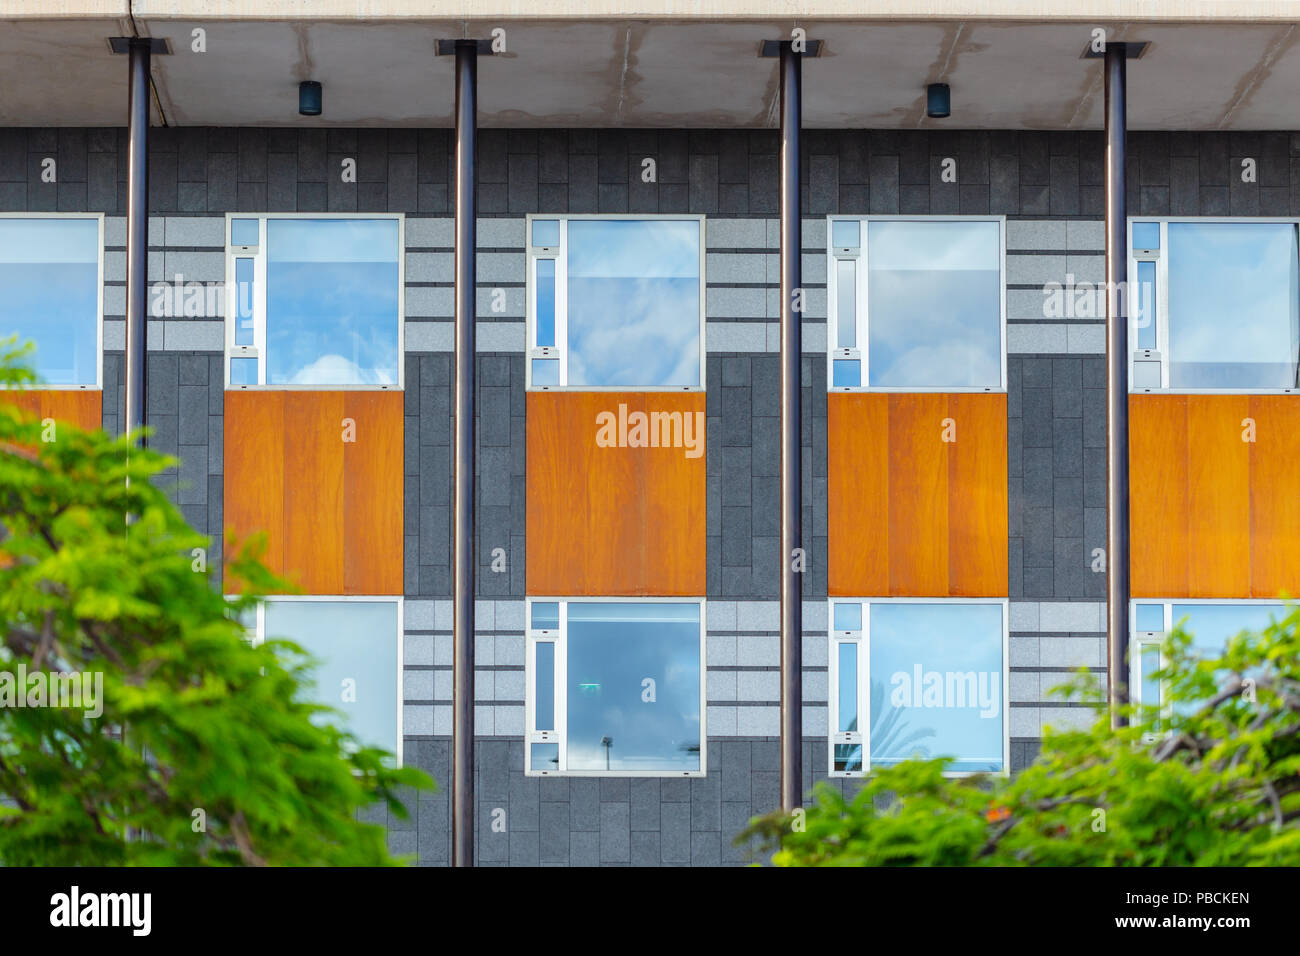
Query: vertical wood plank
[313, 484]
[1275, 496]
[675, 502]
[1158, 495]
[1218, 497]
[858, 494]
[373, 494]
[253, 484]
[918, 496]
[977, 496]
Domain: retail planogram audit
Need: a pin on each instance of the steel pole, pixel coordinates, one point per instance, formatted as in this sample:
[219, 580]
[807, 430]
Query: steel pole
[137, 231]
[1117, 358]
[793, 561]
[462, 730]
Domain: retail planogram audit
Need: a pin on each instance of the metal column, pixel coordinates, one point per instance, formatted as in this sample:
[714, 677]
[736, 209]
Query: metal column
[791, 444]
[137, 230]
[462, 728]
[1117, 357]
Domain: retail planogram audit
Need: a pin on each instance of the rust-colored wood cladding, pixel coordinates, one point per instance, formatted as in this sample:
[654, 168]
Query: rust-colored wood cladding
[83, 408]
[612, 521]
[1212, 515]
[910, 514]
[332, 509]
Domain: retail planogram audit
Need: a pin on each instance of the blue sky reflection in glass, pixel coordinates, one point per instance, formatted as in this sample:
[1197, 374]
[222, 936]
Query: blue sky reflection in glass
[634, 302]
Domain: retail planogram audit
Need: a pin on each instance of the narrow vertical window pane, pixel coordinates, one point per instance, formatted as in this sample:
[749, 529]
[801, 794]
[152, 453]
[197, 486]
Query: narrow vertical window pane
[244, 232]
[844, 233]
[243, 371]
[1150, 617]
[1146, 374]
[1150, 685]
[936, 684]
[1144, 308]
[49, 274]
[848, 617]
[848, 758]
[545, 303]
[544, 686]
[1234, 305]
[546, 232]
[848, 687]
[355, 643]
[546, 371]
[546, 616]
[244, 293]
[1146, 235]
[934, 304]
[546, 757]
[846, 302]
[616, 652]
[634, 302]
[332, 288]
[846, 373]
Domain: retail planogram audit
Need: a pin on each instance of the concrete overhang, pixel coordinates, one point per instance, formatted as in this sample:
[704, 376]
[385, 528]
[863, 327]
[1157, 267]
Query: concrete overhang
[658, 68]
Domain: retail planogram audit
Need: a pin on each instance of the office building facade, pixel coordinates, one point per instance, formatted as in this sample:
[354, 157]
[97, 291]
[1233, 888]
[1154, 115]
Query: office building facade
[629, 392]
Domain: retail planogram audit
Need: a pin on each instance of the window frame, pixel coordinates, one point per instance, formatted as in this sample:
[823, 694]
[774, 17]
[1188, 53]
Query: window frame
[99, 298]
[863, 638]
[258, 348]
[560, 638]
[1142, 639]
[862, 324]
[257, 636]
[560, 254]
[1161, 318]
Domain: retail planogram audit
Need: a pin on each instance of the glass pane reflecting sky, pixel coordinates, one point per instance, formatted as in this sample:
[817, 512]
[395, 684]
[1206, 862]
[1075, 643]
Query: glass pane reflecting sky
[613, 650]
[956, 709]
[1211, 626]
[634, 302]
[331, 302]
[354, 640]
[49, 277]
[1234, 305]
[934, 303]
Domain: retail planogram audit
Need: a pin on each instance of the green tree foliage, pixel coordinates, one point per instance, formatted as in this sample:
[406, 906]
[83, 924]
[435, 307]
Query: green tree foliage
[205, 752]
[1215, 781]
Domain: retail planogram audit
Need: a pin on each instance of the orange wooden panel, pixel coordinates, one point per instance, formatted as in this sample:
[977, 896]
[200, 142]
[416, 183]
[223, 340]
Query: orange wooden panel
[331, 507]
[918, 496]
[83, 408]
[674, 493]
[313, 491]
[857, 493]
[556, 474]
[1275, 498]
[1158, 495]
[1218, 496]
[611, 520]
[977, 496]
[253, 467]
[373, 494]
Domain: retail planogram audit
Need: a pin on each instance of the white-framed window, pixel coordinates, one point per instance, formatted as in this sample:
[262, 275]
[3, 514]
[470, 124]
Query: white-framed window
[1210, 623]
[1214, 305]
[916, 303]
[52, 277]
[918, 677]
[616, 302]
[358, 642]
[615, 687]
[315, 301]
